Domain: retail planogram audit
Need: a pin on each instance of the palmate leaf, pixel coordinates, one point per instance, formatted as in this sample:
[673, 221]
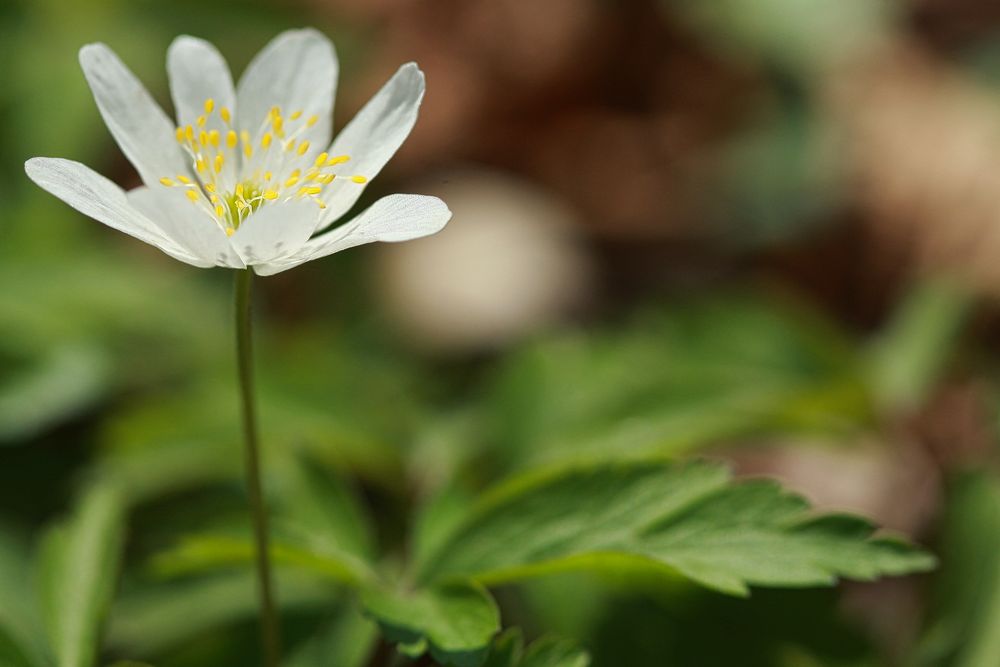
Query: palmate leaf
[690, 519]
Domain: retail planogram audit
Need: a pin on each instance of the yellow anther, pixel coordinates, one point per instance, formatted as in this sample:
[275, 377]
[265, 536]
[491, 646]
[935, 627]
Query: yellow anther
[303, 147]
[167, 182]
[312, 120]
[226, 116]
[340, 159]
[275, 111]
[210, 187]
[179, 133]
[230, 231]
[359, 179]
[209, 105]
[296, 173]
[200, 164]
[265, 142]
[290, 146]
[218, 163]
[183, 179]
[326, 179]
[248, 151]
[270, 194]
[192, 195]
[203, 138]
[322, 204]
[312, 190]
[201, 121]
[189, 133]
[278, 124]
[321, 158]
[239, 190]
[220, 210]
[267, 175]
[296, 115]
[231, 139]
[214, 199]
[292, 180]
[213, 138]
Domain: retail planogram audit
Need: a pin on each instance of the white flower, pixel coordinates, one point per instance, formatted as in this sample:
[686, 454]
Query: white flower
[248, 176]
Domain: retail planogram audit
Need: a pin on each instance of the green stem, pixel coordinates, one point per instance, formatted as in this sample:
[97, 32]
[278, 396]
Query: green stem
[270, 639]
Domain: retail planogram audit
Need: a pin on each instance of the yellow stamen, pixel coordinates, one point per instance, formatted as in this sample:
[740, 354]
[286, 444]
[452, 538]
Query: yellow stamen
[220, 210]
[239, 190]
[218, 163]
[201, 121]
[200, 165]
[167, 182]
[189, 133]
[209, 105]
[267, 175]
[192, 195]
[179, 133]
[312, 120]
[359, 179]
[321, 158]
[210, 187]
[213, 138]
[303, 147]
[226, 116]
[340, 159]
[248, 151]
[266, 141]
[312, 189]
[296, 115]
[183, 179]
[231, 139]
[292, 180]
[203, 138]
[279, 124]
[270, 194]
[230, 231]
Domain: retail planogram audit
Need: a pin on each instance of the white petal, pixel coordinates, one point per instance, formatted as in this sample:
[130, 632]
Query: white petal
[296, 71]
[393, 218]
[95, 196]
[276, 230]
[198, 72]
[190, 227]
[138, 124]
[374, 136]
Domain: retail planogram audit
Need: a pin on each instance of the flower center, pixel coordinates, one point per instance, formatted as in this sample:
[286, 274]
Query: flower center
[234, 173]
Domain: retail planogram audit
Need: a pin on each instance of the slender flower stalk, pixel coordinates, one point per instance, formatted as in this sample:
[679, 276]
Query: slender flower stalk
[270, 630]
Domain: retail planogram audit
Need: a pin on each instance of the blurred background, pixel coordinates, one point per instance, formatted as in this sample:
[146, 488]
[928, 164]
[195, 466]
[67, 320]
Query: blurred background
[765, 231]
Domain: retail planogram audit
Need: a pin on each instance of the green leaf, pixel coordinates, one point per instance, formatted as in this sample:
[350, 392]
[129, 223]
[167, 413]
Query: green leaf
[320, 510]
[457, 620]
[689, 518]
[347, 641]
[555, 653]
[205, 553]
[546, 652]
[154, 619]
[22, 637]
[79, 565]
[909, 356]
[965, 631]
[57, 385]
[712, 369]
